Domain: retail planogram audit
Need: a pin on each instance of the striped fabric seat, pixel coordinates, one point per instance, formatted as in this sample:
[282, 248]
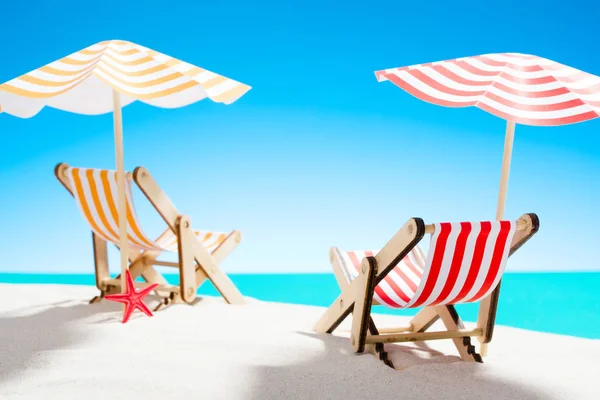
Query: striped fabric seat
[210, 240]
[465, 263]
[95, 192]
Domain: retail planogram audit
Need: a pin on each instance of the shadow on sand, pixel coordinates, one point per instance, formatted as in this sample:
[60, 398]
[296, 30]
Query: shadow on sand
[340, 374]
[26, 334]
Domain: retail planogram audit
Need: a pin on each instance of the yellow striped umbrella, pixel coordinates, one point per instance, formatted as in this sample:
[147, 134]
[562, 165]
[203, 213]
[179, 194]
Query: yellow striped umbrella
[107, 76]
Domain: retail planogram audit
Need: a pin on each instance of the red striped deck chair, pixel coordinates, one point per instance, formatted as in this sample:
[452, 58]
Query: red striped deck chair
[464, 264]
[199, 252]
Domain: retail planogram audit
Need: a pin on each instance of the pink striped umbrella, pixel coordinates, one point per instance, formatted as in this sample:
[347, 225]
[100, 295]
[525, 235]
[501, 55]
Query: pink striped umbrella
[519, 88]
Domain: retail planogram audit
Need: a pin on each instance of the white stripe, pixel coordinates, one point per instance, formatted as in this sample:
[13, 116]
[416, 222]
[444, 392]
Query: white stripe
[101, 230]
[222, 87]
[32, 87]
[486, 261]
[500, 107]
[87, 58]
[343, 264]
[129, 197]
[391, 294]
[125, 58]
[513, 228]
[58, 78]
[112, 180]
[104, 205]
[147, 90]
[448, 256]
[117, 70]
[432, 245]
[466, 262]
[526, 88]
[408, 271]
[61, 66]
[402, 284]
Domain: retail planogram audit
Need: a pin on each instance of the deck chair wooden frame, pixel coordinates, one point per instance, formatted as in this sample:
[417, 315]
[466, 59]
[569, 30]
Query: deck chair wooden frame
[357, 298]
[195, 264]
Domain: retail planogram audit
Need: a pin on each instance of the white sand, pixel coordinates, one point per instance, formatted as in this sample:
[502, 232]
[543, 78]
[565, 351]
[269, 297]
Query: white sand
[55, 346]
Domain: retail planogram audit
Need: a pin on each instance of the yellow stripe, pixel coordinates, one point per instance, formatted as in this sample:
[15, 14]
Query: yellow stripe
[83, 202]
[90, 52]
[111, 204]
[154, 82]
[231, 94]
[47, 83]
[138, 61]
[89, 174]
[61, 72]
[214, 81]
[71, 61]
[34, 95]
[194, 71]
[153, 95]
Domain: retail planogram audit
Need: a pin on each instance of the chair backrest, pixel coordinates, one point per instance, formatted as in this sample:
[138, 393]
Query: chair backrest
[95, 191]
[465, 263]
[398, 287]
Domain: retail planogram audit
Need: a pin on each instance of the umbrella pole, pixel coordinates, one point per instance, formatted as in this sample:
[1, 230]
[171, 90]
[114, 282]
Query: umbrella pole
[506, 158]
[122, 204]
[508, 145]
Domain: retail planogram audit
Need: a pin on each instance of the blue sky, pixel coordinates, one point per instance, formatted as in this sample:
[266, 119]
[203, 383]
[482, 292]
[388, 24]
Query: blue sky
[317, 153]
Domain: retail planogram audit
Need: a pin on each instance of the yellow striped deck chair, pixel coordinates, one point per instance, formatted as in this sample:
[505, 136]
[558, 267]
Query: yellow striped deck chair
[199, 252]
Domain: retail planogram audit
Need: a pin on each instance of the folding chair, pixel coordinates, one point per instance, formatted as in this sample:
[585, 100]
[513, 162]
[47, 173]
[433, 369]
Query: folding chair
[199, 252]
[464, 264]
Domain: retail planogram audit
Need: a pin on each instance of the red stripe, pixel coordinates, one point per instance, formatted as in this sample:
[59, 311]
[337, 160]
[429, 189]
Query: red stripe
[457, 259]
[524, 94]
[508, 64]
[478, 252]
[436, 263]
[406, 280]
[491, 75]
[425, 97]
[417, 271]
[442, 70]
[499, 248]
[571, 119]
[395, 288]
[480, 72]
[564, 105]
[379, 291]
[431, 82]
[354, 260]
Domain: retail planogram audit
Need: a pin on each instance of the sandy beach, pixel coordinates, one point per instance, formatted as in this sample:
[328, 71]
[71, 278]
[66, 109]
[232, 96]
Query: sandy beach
[54, 345]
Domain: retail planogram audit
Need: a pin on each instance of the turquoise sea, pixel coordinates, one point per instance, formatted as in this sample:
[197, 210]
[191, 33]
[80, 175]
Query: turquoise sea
[563, 303]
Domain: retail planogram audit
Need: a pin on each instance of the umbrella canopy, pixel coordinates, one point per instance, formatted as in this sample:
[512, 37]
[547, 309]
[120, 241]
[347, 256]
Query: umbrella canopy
[107, 76]
[519, 88]
[83, 82]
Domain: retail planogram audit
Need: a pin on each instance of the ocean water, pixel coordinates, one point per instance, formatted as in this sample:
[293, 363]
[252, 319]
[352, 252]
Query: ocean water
[562, 303]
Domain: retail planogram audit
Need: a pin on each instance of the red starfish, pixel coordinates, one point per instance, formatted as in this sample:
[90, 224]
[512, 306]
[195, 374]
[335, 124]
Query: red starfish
[132, 298]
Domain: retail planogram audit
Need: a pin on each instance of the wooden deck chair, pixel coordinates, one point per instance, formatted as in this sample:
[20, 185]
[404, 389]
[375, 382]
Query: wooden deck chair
[199, 252]
[464, 264]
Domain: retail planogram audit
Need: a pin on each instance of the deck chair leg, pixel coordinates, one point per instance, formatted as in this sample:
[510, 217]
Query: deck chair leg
[424, 319]
[362, 304]
[453, 322]
[97, 299]
[218, 255]
[487, 318]
[100, 250]
[489, 305]
[187, 274]
[377, 349]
